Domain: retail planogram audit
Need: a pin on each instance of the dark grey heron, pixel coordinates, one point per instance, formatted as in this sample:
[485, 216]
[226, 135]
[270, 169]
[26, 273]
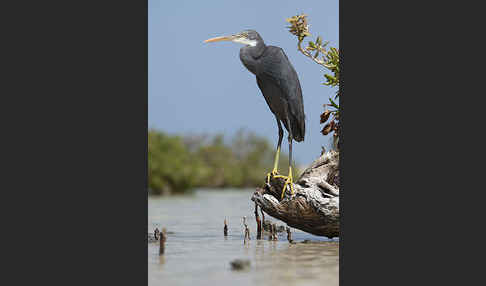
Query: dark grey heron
[279, 83]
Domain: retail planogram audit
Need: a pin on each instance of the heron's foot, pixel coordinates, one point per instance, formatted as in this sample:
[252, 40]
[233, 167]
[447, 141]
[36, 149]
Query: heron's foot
[289, 183]
[273, 173]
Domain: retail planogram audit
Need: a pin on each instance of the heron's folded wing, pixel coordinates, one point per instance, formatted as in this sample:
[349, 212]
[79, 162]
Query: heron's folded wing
[276, 66]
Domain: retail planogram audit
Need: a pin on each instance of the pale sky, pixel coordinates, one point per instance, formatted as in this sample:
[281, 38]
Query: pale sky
[204, 88]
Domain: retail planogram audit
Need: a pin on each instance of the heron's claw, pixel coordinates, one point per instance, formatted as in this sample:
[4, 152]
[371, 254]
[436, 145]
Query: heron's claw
[273, 173]
[288, 182]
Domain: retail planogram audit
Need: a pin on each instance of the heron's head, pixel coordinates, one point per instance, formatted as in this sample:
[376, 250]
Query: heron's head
[246, 37]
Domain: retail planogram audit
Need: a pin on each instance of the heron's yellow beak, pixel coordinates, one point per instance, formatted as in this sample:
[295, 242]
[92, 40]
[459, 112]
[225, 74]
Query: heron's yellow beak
[219, 39]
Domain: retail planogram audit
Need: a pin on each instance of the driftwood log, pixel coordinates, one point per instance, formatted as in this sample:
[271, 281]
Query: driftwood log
[314, 206]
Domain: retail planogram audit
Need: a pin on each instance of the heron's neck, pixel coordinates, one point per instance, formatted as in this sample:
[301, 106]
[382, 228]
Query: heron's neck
[255, 51]
[250, 55]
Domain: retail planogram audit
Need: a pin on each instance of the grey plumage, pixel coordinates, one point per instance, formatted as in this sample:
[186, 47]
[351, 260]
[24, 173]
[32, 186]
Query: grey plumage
[280, 86]
[279, 83]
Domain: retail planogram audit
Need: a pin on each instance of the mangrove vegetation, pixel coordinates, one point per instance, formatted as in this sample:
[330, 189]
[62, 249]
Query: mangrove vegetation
[180, 163]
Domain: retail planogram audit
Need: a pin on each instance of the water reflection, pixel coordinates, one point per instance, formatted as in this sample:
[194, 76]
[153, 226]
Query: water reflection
[197, 253]
[161, 259]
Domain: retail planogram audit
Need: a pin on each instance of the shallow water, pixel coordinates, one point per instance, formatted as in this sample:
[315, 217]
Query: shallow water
[197, 253]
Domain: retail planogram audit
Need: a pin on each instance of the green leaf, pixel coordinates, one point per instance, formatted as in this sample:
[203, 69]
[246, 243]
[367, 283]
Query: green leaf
[333, 104]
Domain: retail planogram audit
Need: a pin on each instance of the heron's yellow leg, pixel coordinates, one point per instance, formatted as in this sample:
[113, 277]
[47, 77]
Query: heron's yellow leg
[288, 182]
[275, 166]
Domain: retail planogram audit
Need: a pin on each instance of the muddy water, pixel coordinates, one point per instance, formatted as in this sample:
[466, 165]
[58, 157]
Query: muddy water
[197, 253]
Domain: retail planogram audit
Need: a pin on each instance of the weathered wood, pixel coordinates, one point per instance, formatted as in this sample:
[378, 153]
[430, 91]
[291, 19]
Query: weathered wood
[289, 235]
[225, 229]
[270, 236]
[163, 238]
[247, 230]
[258, 223]
[314, 207]
[263, 218]
[267, 225]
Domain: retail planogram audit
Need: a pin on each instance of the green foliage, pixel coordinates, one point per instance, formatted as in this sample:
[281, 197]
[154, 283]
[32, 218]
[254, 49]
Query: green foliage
[178, 164]
[329, 58]
[170, 166]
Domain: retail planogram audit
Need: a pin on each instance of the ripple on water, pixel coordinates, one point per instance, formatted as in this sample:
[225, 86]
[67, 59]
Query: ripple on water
[197, 253]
